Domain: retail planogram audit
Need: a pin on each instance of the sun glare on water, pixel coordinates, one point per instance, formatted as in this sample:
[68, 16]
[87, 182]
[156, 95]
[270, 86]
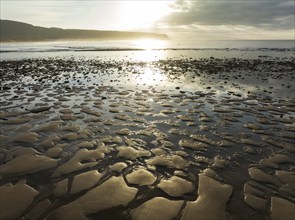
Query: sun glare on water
[151, 50]
[149, 44]
[150, 77]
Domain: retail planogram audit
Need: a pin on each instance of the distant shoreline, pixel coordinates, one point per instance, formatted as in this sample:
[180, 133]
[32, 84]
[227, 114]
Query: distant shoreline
[14, 31]
[107, 39]
[76, 40]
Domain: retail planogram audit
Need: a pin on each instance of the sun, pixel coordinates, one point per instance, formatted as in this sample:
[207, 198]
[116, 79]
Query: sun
[142, 14]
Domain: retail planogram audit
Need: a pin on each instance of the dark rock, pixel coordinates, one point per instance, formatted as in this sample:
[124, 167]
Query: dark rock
[41, 109]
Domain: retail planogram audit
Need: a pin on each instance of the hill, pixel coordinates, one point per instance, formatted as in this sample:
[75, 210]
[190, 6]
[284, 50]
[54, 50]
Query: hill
[13, 31]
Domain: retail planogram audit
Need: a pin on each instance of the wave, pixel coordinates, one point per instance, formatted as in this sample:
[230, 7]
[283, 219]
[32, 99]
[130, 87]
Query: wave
[87, 49]
[240, 45]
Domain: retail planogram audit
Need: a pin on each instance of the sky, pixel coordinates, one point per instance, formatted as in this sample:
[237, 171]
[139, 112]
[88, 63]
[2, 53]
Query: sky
[179, 19]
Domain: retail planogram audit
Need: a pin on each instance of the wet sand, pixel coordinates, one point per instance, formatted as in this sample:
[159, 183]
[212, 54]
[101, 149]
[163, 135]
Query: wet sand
[210, 138]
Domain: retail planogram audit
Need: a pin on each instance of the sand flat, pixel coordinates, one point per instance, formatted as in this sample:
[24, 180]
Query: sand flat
[209, 134]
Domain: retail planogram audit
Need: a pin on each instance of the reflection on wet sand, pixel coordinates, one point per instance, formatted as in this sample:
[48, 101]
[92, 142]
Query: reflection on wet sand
[165, 139]
[150, 77]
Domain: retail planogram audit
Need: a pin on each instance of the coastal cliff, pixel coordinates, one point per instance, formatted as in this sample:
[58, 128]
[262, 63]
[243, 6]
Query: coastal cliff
[13, 31]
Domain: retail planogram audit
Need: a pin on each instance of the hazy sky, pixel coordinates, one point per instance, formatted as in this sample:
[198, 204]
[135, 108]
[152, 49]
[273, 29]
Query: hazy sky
[201, 19]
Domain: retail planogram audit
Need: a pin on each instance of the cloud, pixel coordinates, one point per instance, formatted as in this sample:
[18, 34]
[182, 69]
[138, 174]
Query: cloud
[265, 14]
[55, 13]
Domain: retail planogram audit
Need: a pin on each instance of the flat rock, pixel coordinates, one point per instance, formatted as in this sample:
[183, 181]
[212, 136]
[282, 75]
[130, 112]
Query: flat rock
[40, 109]
[211, 203]
[168, 161]
[158, 208]
[112, 193]
[85, 181]
[141, 177]
[282, 209]
[176, 186]
[75, 164]
[132, 153]
[27, 137]
[26, 160]
[260, 176]
[15, 199]
[52, 126]
[118, 167]
[123, 131]
[256, 202]
[195, 145]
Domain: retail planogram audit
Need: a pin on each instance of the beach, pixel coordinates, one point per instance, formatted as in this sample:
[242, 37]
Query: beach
[147, 134]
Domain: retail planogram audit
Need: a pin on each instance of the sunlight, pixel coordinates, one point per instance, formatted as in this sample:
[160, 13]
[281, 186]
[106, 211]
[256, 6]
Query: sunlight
[150, 77]
[150, 49]
[149, 44]
[149, 55]
[142, 14]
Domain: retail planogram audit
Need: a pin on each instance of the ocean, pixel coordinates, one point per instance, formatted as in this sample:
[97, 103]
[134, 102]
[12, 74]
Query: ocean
[162, 49]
